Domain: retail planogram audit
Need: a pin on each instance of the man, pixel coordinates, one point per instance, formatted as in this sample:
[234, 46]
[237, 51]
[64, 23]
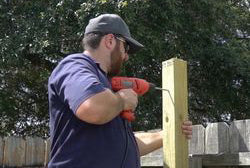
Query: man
[86, 128]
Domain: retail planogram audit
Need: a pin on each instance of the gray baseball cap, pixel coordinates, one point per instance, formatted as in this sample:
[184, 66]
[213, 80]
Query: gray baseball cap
[112, 23]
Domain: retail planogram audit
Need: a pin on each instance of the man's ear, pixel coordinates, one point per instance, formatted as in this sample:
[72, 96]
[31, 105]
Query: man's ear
[109, 41]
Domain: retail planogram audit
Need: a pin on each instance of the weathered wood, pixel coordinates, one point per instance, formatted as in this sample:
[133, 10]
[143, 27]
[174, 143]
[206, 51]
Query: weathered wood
[236, 159]
[207, 160]
[238, 137]
[197, 143]
[14, 152]
[195, 162]
[1, 151]
[217, 138]
[35, 151]
[13, 149]
[153, 158]
[47, 151]
[175, 145]
[247, 138]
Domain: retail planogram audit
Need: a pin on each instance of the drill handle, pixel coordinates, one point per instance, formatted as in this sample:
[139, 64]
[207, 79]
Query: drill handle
[128, 115]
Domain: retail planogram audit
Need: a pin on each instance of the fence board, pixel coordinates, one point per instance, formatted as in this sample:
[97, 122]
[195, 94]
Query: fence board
[237, 134]
[153, 158]
[247, 138]
[236, 159]
[47, 151]
[14, 152]
[1, 151]
[35, 151]
[217, 138]
[197, 143]
[195, 162]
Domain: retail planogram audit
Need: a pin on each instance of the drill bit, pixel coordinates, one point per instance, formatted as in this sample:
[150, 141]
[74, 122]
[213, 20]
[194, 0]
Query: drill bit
[152, 86]
[158, 88]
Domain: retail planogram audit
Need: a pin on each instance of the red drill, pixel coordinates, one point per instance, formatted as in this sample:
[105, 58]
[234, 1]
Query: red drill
[140, 86]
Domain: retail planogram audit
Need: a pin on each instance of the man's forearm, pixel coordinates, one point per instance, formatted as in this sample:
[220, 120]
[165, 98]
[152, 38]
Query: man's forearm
[149, 141]
[100, 108]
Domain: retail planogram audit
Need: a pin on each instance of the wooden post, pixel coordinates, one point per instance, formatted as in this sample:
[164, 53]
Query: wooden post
[175, 145]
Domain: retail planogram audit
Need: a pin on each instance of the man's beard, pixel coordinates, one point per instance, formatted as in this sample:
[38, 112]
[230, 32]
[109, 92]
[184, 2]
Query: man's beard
[116, 61]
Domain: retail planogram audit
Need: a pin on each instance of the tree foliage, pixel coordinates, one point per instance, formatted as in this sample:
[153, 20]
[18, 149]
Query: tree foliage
[213, 36]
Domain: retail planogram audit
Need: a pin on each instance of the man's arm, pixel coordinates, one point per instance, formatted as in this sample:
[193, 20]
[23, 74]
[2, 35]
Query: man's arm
[104, 106]
[150, 141]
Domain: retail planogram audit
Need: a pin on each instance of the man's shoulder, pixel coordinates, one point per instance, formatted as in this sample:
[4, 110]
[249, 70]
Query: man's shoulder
[74, 57]
[73, 63]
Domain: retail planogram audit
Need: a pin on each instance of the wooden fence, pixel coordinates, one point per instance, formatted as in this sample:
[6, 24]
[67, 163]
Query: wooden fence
[219, 144]
[24, 152]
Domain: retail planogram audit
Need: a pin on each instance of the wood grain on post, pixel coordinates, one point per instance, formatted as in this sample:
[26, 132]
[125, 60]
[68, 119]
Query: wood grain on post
[14, 152]
[175, 145]
[35, 151]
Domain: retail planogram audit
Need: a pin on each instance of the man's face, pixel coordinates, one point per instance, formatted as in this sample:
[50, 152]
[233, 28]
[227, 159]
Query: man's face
[117, 59]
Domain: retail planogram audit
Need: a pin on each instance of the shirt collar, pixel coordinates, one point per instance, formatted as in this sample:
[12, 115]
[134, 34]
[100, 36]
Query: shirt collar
[97, 64]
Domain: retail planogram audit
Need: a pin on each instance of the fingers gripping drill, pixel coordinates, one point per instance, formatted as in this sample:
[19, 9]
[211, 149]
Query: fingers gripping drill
[140, 86]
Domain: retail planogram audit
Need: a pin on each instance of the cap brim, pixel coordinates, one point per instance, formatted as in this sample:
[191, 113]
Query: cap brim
[134, 45]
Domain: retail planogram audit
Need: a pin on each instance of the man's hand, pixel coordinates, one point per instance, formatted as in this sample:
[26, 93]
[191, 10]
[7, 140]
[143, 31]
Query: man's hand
[187, 129]
[129, 97]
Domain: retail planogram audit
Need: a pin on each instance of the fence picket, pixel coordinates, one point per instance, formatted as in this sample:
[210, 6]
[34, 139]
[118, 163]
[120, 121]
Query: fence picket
[217, 138]
[35, 151]
[197, 143]
[47, 151]
[247, 138]
[14, 152]
[237, 134]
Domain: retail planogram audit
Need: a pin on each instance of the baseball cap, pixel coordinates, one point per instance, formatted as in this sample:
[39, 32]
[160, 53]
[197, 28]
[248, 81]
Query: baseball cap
[112, 23]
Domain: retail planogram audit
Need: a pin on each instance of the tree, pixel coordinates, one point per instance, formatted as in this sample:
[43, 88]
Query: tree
[34, 37]
[213, 36]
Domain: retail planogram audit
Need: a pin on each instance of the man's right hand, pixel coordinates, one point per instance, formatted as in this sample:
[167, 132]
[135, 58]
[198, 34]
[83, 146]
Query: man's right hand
[129, 97]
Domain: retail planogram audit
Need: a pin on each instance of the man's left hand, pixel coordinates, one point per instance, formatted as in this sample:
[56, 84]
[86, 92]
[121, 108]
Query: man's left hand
[187, 129]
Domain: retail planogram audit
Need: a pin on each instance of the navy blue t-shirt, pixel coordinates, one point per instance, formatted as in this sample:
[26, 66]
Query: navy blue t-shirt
[78, 144]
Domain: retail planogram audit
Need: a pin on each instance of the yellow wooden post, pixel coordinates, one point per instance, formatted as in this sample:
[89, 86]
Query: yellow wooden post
[175, 111]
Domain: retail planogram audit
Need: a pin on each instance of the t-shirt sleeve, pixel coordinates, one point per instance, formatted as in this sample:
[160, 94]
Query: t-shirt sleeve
[77, 84]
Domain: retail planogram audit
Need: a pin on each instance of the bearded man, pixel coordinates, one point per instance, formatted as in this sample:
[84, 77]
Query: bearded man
[86, 128]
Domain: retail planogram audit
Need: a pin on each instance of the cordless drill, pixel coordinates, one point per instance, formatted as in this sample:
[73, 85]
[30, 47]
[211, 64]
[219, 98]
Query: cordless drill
[140, 86]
